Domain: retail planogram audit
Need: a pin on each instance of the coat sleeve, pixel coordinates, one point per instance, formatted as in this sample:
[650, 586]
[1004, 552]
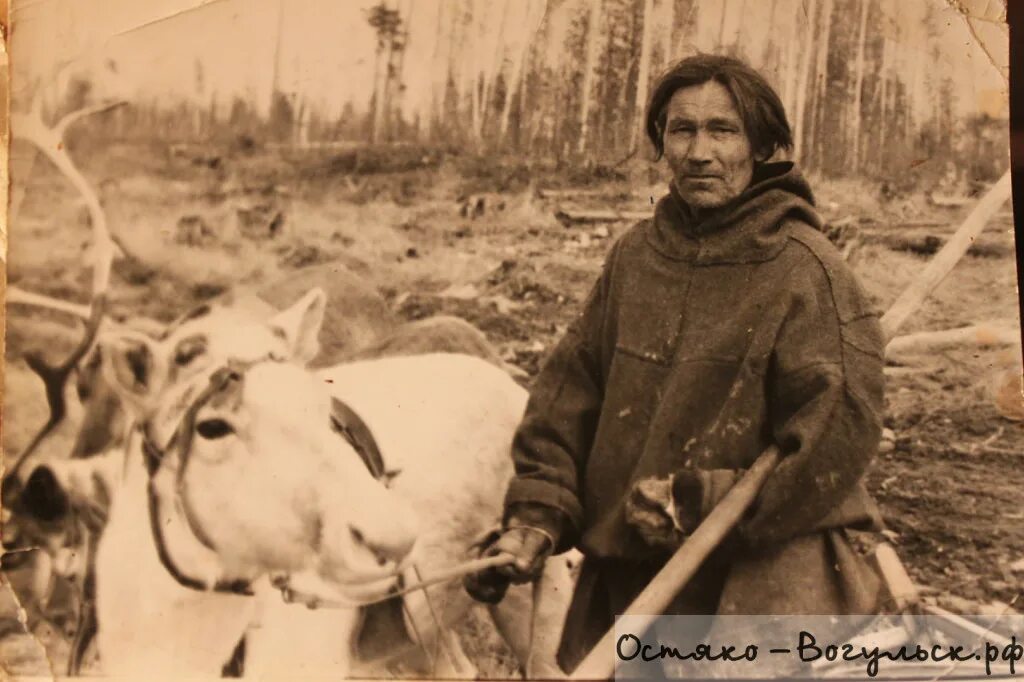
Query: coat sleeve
[825, 400]
[557, 431]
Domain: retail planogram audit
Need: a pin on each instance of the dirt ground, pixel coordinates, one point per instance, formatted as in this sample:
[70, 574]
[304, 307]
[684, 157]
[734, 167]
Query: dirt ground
[197, 221]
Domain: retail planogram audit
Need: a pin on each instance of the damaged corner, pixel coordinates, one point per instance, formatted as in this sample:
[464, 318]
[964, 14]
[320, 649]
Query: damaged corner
[992, 15]
[22, 651]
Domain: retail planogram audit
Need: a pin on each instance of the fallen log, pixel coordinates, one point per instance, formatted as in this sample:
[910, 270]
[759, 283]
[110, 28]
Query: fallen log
[922, 223]
[981, 335]
[582, 216]
[570, 193]
[926, 245]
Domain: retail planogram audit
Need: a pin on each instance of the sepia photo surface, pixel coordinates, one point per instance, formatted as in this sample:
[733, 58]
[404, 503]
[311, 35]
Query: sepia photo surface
[415, 338]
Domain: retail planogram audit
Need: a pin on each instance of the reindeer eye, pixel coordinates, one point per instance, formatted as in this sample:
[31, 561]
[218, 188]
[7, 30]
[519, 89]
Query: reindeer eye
[212, 429]
[188, 351]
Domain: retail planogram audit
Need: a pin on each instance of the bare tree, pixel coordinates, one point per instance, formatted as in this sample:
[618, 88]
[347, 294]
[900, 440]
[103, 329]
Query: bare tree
[820, 78]
[593, 32]
[643, 71]
[391, 39]
[805, 72]
[858, 85]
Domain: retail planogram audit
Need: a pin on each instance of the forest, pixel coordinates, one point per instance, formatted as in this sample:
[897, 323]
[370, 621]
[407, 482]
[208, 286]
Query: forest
[872, 87]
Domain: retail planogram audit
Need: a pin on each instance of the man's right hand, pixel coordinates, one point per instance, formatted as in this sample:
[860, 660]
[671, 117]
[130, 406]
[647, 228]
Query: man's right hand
[530, 547]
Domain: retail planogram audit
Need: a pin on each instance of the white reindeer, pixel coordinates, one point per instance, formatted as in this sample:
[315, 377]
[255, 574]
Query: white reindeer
[272, 488]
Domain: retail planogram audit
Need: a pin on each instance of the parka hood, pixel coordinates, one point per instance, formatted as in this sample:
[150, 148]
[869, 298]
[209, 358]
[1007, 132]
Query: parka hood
[748, 229]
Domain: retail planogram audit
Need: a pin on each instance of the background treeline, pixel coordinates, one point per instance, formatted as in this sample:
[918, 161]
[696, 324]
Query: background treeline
[871, 86]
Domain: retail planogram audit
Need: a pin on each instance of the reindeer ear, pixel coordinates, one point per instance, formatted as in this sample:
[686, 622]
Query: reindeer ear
[300, 325]
[131, 364]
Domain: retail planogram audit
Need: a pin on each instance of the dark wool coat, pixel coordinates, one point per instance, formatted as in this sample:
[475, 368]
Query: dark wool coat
[701, 344]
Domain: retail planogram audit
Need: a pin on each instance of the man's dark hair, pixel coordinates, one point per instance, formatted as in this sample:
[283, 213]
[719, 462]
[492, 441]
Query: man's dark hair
[759, 106]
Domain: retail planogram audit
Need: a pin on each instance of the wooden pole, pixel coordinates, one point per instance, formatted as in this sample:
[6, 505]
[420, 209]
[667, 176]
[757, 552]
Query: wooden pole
[659, 593]
[950, 254]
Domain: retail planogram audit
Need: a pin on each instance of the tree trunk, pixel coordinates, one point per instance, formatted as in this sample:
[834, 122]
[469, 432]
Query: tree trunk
[643, 73]
[515, 81]
[858, 86]
[805, 73]
[666, 37]
[593, 32]
[438, 85]
[883, 97]
[821, 84]
[721, 26]
[493, 69]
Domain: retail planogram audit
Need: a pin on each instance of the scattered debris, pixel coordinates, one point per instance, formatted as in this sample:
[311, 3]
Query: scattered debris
[463, 292]
[949, 201]
[888, 442]
[259, 221]
[477, 205]
[302, 255]
[192, 230]
[502, 303]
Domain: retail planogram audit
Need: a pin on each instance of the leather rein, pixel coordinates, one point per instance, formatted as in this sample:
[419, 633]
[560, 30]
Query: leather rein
[164, 483]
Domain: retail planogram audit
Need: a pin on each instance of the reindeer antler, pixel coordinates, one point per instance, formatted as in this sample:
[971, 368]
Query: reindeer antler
[50, 142]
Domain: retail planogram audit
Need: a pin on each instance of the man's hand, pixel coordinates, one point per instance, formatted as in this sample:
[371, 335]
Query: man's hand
[651, 511]
[666, 510]
[530, 547]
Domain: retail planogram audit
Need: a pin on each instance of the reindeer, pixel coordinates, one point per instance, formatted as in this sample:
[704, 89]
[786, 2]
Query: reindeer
[265, 433]
[244, 563]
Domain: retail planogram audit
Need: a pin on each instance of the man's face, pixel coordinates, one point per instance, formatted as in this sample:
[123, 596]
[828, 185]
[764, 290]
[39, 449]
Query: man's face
[706, 145]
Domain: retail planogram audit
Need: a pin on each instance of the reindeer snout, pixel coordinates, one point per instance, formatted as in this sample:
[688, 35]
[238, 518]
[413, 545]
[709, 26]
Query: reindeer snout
[384, 547]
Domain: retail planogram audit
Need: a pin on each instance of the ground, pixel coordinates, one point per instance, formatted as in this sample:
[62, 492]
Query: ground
[197, 220]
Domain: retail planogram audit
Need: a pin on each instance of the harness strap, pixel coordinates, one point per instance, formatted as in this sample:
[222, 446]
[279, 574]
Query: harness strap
[344, 420]
[352, 428]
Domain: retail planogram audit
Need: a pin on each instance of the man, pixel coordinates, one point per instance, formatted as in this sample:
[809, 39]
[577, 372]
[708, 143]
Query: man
[725, 324]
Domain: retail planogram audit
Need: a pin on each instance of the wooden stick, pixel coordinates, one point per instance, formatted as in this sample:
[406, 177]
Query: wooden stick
[659, 593]
[944, 261]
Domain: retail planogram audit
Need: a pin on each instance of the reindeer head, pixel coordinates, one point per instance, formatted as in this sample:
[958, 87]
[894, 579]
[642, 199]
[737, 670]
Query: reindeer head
[247, 460]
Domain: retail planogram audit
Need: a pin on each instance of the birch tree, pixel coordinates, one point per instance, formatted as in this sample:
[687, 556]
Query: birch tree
[534, 15]
[858, 86]
[593, 34]
[643, 71]
[820, 77]
[805, 70]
